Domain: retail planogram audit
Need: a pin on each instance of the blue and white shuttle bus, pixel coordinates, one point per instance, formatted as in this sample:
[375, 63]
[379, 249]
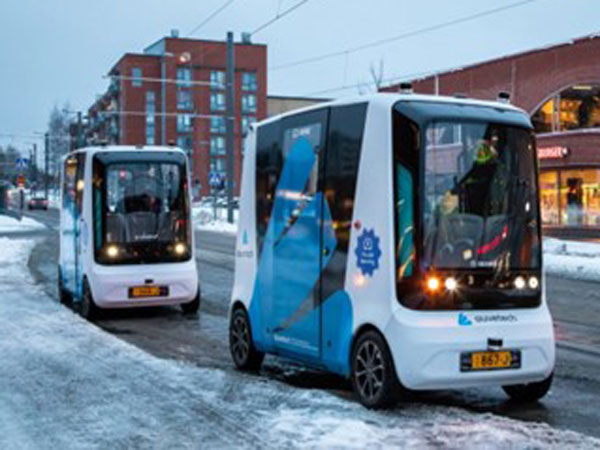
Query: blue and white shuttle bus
[395, 240]
[126, 235]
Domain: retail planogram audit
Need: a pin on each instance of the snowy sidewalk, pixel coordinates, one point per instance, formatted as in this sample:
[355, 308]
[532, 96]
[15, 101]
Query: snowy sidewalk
[11, 225]
[65, 383]
[572, 259]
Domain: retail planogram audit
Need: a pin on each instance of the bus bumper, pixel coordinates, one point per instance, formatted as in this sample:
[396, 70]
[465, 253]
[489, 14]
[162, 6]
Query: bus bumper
[427, 346]
[110, 284]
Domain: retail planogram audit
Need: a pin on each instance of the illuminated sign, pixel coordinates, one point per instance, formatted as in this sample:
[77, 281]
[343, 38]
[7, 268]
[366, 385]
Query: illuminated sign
[556, 152]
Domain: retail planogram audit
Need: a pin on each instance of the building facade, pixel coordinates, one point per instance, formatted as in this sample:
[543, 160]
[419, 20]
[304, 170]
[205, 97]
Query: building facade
[174, 94]
[279, 104]
[559, 87]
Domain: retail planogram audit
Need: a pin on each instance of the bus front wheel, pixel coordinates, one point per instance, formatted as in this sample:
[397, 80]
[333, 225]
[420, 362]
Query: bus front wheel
[529, 392]
[245, 356]
[87, 308]
[374, 377]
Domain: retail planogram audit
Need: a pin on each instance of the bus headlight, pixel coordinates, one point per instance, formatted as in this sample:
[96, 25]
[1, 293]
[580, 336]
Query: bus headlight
[433, 284]
[451, 284]
[180, 248]
[519, 282]
[112, 251]
[534, 283]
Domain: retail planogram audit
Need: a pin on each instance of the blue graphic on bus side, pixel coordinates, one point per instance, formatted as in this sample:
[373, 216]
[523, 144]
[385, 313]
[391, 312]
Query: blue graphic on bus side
[368, 252]
[463, 320]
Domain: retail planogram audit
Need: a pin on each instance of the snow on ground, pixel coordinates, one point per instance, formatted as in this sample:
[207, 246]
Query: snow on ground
[204, 219]
[572, 259]
[65, 383]
[10, 224]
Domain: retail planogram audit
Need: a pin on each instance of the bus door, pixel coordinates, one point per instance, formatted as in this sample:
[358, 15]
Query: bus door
[296, 238]
[77, 223]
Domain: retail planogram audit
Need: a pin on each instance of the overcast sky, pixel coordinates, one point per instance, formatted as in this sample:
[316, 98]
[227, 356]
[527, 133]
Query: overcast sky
[56, 51]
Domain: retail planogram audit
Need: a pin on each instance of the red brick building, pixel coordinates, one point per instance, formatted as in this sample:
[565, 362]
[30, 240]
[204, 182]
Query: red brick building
[189, 74]
[559, 87]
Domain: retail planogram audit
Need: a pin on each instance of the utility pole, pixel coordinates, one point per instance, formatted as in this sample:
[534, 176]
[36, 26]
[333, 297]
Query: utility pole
[79, 130]
[230, 122]
[46, 161]
[163, 102]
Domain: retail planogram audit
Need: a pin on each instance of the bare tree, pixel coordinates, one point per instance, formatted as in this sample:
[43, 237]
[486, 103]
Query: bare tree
[58, 136]
[375, 81]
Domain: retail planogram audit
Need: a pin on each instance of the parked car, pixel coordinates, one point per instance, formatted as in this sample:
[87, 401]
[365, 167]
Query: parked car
[37, 203]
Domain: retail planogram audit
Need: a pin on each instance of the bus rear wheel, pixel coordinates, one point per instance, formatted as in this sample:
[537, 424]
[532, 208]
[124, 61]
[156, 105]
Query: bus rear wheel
[87, 308]
[63, 295]
[374, 377]
[245, 356]
[193, 306]
[529, 392]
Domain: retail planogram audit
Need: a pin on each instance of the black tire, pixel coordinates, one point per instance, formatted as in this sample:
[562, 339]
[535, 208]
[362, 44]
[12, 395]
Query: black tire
[243, 353]
[87, 307]
[529, 392]
[374, 378]
[193, 306]
[63, 295]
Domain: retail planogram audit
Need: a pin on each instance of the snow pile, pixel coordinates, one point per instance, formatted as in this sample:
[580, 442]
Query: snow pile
[14, 255]
[572, 259]
[10, 224]
[204, 219]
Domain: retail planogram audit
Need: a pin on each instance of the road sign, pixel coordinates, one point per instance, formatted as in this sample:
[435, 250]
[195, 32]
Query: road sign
[21, 163]
[21, 181]
[216, 180]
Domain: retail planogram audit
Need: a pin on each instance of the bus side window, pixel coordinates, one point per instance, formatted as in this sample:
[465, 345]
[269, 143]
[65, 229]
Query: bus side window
[406, 157]
[269, 163]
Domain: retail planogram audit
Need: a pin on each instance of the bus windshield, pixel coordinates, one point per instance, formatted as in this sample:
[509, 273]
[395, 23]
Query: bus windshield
[480, 208]
[141, 211]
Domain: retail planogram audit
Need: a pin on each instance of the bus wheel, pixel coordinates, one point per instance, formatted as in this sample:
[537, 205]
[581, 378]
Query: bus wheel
[88, 309]
[373, 374]
[63, 296]
[529, 392]
[193, 306]
[244, 355]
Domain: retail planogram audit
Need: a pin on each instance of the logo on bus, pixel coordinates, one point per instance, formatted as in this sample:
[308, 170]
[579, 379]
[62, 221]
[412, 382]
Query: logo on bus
[368, 252]
[463, 320]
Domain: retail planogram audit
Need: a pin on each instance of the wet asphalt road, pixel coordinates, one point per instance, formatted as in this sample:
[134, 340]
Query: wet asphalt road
[202, 340]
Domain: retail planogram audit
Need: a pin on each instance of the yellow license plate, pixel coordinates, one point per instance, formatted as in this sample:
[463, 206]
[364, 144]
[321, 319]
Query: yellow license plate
[491, 360]
[147, 291]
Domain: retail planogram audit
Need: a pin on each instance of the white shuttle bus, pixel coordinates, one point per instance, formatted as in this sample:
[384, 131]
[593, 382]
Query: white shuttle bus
[126, 236]
[395, 240]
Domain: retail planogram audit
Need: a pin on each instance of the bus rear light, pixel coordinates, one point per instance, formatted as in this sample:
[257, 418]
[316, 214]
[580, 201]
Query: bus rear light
[180, 248]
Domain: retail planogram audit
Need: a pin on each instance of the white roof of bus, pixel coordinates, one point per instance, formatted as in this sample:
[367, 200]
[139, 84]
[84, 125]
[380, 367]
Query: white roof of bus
[389, 99]
[126, 148]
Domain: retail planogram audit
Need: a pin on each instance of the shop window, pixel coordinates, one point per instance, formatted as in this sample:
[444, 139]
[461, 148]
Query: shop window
[549, 197]
[580, 197]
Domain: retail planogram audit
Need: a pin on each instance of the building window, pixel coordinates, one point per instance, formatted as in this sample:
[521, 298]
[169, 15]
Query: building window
[150, 120]
[185, 142]
[246, 122]
[184, 76]
[184, 123]
[218, 165]
[217, 101]
[574, 108]
[217, 79]
[136, 74]
[249, 81]
[217, 125]
[184, 99]
[217, 145]
[249, 103]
